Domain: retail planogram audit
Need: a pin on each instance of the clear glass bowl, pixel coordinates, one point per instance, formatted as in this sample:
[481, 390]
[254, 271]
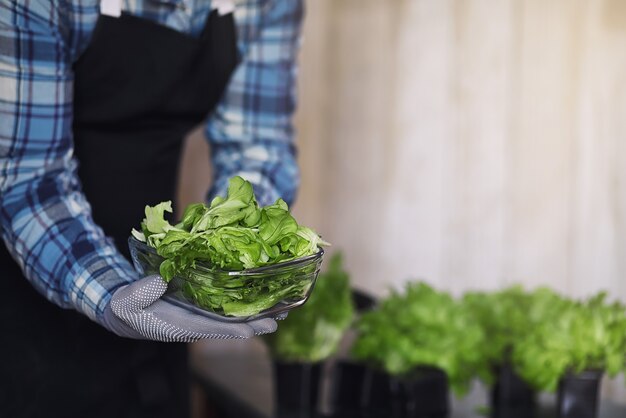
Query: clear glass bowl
[235, 296]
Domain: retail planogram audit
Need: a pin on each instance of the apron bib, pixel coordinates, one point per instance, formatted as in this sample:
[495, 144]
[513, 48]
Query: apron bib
[139, 88]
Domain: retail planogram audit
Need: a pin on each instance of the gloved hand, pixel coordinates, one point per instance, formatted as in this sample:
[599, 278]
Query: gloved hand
[136, 311]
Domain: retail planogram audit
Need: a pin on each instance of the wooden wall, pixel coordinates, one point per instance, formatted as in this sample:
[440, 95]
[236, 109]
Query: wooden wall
[471, 143]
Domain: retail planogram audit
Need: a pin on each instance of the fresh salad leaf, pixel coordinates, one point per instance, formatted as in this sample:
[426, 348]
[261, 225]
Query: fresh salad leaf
[507, 317]
[233, 233]
[155, 222]
[422, 327]
[575, 336]
[276, 223]
[313, 332]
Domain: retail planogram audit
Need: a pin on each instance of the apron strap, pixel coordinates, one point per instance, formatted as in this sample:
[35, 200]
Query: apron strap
[111, 7]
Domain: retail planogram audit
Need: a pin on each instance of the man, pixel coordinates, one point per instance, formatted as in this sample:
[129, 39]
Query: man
[95, 99]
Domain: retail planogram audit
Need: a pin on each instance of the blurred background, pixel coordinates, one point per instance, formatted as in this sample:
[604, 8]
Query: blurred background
[469, 143]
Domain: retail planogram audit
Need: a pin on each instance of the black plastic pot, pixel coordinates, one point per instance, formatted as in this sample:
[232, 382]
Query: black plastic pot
[578, 395]
[346, 388]
[362, 300]
[382, 395]
[357, 390]
[510, 391]
[426, 393]
[296, 388]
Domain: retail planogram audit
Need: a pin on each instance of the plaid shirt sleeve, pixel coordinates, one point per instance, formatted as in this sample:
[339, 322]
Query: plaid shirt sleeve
[45, 220]
[251, 133]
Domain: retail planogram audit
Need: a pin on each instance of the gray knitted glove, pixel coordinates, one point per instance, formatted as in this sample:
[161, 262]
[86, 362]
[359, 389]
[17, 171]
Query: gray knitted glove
[136, 311]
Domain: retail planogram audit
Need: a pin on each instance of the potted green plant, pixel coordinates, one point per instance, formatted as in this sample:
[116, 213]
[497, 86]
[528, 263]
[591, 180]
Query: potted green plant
[418, 343]
[507, 316]
[307, 337]
[571, 349]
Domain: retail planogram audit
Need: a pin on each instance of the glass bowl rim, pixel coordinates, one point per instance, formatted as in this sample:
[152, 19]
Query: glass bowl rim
[256, 270]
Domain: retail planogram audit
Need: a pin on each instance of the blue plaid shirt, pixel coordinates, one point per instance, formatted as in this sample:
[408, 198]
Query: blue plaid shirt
[45, 219]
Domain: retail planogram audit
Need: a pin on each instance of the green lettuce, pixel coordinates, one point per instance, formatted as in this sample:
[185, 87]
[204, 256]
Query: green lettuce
[574, 336]
[422, 327]
[507, 317]
[232, 233]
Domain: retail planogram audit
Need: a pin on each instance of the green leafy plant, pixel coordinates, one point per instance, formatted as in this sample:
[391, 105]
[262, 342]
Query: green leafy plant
[507, 317]
[231, 234]
[313, 332]
[575, 336]
[421, 327]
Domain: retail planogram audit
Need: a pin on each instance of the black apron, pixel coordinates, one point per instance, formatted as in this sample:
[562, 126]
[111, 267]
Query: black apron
[139, 88]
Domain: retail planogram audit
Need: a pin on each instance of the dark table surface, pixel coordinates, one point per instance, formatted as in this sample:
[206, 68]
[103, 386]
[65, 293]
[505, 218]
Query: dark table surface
[237, 375]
